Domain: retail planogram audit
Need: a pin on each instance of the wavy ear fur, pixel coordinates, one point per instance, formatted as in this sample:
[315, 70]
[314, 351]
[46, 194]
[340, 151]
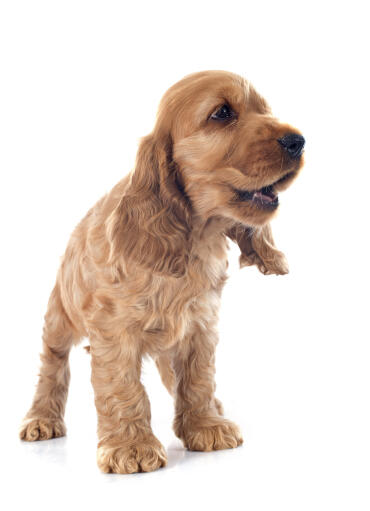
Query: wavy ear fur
[258, 248]
[151, 223]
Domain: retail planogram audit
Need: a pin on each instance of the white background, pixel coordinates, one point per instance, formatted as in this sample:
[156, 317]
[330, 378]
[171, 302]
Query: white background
[80, 83]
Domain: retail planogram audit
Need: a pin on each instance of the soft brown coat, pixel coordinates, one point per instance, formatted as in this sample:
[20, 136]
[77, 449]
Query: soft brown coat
[144, 270]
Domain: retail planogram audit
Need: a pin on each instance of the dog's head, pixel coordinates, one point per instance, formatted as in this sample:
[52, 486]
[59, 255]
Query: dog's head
[233, 155]
[216, 151]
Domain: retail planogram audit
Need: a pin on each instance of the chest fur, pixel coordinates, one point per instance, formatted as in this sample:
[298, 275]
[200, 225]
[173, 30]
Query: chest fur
[160, 310]
[179, 305]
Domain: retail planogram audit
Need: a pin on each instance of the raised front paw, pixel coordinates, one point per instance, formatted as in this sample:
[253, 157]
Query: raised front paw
[144, 455]
[210, 434]
[33, 429]
[275, 264]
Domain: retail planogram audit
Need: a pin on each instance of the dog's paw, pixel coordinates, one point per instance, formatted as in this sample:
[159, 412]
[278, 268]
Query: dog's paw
[143, 455]
[221, 434]
[41, 429]
[275, 264]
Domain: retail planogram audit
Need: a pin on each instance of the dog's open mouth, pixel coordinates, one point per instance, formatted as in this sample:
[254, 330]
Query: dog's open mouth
[265, 197]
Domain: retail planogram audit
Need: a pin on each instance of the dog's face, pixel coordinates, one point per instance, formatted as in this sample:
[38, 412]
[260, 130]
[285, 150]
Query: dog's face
[233, 155]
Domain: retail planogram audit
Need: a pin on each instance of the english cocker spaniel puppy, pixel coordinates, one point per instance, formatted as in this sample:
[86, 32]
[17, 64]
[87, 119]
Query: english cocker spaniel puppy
[144, 270]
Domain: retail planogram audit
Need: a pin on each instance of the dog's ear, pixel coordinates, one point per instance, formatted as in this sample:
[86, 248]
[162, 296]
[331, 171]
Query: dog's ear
[151, 223]
[257, 248]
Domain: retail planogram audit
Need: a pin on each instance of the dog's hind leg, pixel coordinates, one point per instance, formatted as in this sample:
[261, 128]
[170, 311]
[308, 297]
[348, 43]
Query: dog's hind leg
[45, 417]
[163, 363]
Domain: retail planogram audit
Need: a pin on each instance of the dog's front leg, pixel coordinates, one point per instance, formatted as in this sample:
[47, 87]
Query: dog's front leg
[126, 441]
[198, 422]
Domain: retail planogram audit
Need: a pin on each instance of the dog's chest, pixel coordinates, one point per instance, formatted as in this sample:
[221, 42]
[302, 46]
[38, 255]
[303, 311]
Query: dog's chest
[180, 305]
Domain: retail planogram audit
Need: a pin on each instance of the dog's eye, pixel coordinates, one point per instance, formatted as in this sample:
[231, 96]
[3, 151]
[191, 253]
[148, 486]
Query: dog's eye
[223, 113]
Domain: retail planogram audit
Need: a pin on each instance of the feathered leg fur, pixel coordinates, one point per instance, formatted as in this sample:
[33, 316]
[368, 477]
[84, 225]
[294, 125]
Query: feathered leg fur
[45, 417]
[198, 422]
[126, 441]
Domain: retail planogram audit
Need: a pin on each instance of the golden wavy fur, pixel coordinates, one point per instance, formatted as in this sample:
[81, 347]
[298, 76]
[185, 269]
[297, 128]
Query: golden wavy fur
[144, 270]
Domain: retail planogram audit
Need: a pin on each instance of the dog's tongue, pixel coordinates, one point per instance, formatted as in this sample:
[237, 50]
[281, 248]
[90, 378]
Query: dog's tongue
[263, 196]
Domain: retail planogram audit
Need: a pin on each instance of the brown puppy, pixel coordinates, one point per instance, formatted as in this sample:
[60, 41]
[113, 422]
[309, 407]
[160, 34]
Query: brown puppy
[144, 270]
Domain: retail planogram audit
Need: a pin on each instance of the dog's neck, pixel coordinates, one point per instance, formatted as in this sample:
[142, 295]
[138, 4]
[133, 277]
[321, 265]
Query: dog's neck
[208, 237]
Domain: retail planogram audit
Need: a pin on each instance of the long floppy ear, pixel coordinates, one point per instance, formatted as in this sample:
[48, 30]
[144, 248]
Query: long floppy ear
[151, 223]
[258, 248]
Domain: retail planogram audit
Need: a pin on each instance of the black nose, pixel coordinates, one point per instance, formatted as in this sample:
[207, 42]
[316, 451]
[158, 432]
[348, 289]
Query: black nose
[293, 144]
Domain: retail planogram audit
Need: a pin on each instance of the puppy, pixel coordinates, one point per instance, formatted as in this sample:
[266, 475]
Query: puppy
[144, 270]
